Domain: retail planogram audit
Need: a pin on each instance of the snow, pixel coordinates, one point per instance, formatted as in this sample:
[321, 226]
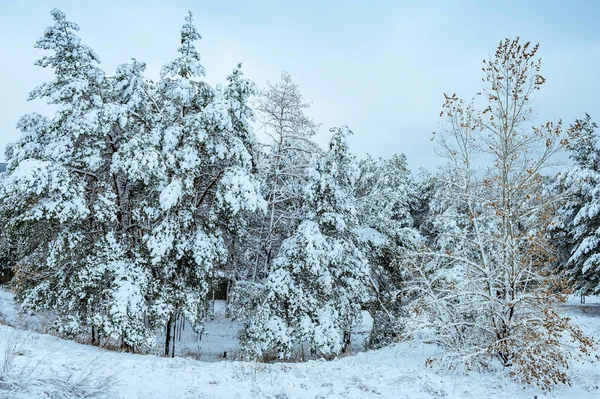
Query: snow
[238, 192]
[219, 336]
[8, 313]
[170, 194]
[370, 235]
[590, 301]
[173, 176]
[396, 371]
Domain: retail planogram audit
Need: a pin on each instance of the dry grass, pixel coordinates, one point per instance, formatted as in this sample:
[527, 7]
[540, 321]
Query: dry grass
[28, 380]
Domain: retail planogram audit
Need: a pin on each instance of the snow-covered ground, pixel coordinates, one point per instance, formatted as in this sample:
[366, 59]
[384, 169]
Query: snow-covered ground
[220, 334]
[395, 372]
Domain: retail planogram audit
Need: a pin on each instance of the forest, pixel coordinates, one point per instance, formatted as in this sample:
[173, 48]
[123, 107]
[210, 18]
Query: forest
[125, 211]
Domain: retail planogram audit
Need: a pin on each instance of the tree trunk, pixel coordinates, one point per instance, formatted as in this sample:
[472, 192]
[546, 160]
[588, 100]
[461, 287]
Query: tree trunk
[168, 337]
[227, 291]
[347, 341]
[173, 336]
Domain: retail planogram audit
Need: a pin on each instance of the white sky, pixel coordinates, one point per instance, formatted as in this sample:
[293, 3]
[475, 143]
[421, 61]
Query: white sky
[379, 67]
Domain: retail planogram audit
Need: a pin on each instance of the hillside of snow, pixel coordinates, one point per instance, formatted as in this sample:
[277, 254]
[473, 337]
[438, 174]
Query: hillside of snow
[398, 371]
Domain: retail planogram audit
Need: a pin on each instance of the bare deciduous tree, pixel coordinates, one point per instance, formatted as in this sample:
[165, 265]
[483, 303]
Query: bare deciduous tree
[484, 285]
[281, 109]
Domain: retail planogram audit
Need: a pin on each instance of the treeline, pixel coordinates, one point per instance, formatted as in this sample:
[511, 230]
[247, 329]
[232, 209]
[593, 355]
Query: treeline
[125, 207]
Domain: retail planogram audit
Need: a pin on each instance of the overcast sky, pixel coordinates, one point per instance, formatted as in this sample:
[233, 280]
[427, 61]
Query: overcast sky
[380, 67]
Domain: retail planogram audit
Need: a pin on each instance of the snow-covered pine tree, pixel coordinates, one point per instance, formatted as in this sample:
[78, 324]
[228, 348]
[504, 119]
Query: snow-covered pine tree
[132, 170]
[53, 195]
[75, 180]
[313, 295]
[283, 171]
[424, 186]
[577, 221]
[385, 192]
[241, 239]
[205, 153]
[483, 286]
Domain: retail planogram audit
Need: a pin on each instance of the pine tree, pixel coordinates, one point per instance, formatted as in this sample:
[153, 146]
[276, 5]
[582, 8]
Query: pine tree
[132, 156]
[123, 202]
[314, 292]
[53, 198]
[577, 220]
[205, 151]
[385, 193]
[76, 185]
[282, 168]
